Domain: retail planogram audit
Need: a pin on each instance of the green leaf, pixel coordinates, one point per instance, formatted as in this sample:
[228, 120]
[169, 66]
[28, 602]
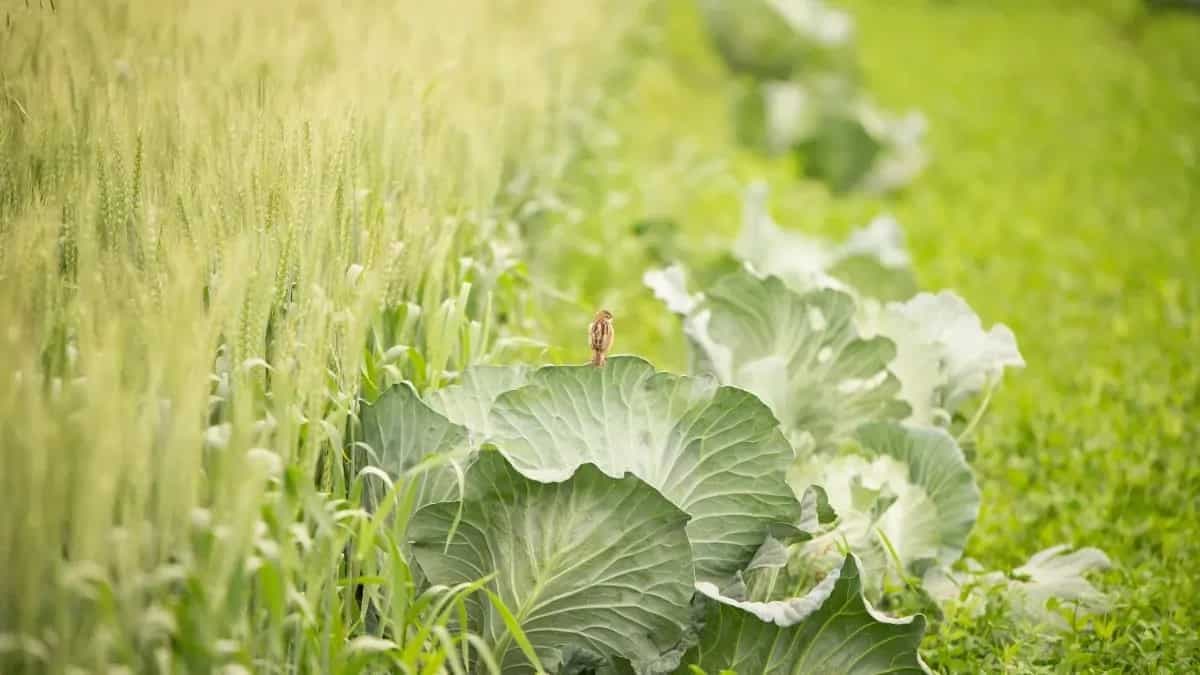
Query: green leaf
[399, 432]
[872, 261]
[469, 401]
[771, 555]
[902, 153]
[800, 353]
[872, 279]
[752, 38]
[669, 284]
[943, 354]
[1050, 591]
[831, 629]
[815, 509]
[773, 39]
[716, 452]
[1058, 573]
[591, 564]
[904, 486]
[840, 152]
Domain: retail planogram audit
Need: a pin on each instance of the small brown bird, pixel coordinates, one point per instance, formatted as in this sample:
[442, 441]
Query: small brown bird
[600, 337]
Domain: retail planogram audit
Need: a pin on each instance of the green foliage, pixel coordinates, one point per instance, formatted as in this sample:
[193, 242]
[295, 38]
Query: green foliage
[840, 152]
[214, 239]
[590, 563]
[215, 243]
[611, 496]
[1074, 230]
[799, 92]
[800, 352]
[715, 452]
[907, 501]
[830, 630]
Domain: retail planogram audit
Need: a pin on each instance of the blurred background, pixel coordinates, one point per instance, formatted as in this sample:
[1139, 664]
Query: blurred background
[221, 223]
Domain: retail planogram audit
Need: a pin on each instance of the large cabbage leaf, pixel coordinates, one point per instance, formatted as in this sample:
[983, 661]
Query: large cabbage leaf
[831, 629]
[800, 353]
[592, 567]
[905, 497]
[469, 401]
[716, 452]
[400, 432]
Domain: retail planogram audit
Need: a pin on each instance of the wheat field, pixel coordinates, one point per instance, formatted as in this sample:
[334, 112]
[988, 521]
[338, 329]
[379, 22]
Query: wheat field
[205, 209]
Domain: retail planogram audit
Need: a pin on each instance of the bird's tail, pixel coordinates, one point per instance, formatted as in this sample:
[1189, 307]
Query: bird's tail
[598, 359]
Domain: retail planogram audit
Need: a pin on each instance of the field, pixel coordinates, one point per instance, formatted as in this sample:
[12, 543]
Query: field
[227, 230]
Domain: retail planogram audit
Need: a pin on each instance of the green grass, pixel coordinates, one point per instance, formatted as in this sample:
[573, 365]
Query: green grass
[1063, 199]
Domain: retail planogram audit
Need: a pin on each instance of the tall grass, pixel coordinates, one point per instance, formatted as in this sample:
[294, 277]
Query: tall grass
[219, 223]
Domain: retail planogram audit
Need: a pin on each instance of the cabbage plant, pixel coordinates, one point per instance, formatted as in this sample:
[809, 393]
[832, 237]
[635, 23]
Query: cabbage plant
[1050, 590]
[801, 352]
[601, 507]
[800, 92]
[871, 381]
[937, 354]
[907, 500]
[872, 261]
[830, 629]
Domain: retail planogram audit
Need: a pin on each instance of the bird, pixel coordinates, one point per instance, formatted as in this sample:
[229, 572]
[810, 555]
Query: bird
[600, 337]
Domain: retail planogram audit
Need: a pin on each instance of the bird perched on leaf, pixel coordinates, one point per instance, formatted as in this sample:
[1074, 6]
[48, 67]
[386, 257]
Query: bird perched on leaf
[600, 337]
